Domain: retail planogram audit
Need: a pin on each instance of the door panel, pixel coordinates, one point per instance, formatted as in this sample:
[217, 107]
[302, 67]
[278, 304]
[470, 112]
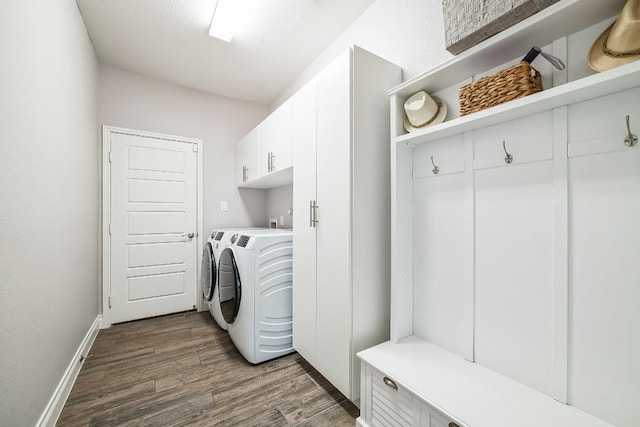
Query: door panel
[333, 229]
[153, 208]
[304, 244]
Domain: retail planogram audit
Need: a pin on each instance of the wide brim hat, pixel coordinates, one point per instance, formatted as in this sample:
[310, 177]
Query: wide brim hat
[422, 110]
[620, 43]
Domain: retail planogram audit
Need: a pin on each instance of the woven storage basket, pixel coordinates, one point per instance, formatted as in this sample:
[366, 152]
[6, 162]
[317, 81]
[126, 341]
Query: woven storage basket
[504, 86]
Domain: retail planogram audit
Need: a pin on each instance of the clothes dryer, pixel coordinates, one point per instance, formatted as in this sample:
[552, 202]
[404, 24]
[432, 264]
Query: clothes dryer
[255, 282]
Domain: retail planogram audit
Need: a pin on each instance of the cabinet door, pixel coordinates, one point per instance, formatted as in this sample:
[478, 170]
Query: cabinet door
[247, 157]
[333, 229]
[304, 245]
[514, 250]
[276, 139]
[604, 277]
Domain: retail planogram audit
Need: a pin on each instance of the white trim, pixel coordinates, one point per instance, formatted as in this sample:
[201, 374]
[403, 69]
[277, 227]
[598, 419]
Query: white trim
[361, 423]
[106, 209]
[53, 409]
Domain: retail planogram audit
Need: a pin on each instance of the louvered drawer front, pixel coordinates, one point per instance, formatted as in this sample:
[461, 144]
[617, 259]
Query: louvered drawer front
[436, 419]
[390, 407]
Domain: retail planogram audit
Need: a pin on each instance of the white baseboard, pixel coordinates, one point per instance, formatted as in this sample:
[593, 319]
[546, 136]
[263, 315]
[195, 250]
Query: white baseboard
[360, 422]
[56, 403]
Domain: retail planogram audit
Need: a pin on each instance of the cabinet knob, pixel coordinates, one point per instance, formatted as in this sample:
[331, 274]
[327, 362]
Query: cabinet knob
[453, 425]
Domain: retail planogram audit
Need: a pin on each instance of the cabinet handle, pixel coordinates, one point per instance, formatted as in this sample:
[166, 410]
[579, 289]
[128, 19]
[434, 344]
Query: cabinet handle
[269, 162]
[630, 140]
[273, 164]
[313, 213]
[311, 223]
[390, 383]
[509, 158]
[244, 173]
[453, 425]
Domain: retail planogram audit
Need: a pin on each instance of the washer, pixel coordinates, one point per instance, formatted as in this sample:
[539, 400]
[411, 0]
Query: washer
[220, 239]
[255, 281]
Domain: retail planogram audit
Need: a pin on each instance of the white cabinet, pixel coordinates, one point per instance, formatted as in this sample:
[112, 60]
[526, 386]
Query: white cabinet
[247, 157]
[514, 279]
[304, 196]
[393, 405]
[264, 155]
[341, 200]
[276, 139]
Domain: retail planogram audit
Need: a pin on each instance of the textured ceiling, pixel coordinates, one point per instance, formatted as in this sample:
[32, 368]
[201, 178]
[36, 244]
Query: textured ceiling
[169, 40]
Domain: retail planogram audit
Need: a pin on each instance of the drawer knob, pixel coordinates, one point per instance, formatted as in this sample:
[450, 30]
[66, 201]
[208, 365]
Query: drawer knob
[453, 425]
[390, 383]
[630, 140]
[509, 158]
[436, 169]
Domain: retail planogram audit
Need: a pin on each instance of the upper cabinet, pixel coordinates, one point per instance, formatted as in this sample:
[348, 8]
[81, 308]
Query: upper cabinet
[248, 157]
[276, 138]
[264, 155]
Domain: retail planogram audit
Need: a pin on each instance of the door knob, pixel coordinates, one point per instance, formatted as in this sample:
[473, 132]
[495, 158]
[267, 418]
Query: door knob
[190, 235]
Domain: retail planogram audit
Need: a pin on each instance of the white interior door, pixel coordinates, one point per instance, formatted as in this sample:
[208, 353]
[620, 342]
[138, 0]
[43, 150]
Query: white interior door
[153, 220]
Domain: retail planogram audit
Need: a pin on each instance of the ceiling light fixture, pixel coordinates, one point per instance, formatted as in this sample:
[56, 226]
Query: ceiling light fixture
[225, 19]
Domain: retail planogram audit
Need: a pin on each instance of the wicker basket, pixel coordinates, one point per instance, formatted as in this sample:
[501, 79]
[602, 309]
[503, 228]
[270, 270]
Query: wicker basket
[504, 86]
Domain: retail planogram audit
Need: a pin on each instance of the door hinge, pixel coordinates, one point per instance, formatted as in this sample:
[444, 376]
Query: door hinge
[109, 229]
[109, 301]
[195, 148]
[109, 156]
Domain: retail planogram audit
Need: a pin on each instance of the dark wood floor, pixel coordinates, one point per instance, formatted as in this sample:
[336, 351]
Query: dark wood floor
[183, 370]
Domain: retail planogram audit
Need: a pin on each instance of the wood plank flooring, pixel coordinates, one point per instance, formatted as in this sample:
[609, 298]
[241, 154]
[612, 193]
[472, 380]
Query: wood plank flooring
[182, 369]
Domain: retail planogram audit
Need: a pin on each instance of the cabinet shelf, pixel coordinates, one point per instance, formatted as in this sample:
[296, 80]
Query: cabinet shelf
[273, 180]
[611, 81]
[556, 21]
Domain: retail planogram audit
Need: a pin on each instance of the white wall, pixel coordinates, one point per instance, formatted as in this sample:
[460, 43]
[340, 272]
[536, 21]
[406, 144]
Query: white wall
[138, 102]
[409, 33]
[49, 192]
[279, 201]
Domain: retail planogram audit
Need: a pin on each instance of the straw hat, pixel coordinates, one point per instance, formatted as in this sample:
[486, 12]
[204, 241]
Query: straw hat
[620, 43]
[422, 110]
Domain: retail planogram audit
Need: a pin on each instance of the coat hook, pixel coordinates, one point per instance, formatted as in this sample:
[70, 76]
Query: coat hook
[436, 169]
[630, 140]
[509, 158]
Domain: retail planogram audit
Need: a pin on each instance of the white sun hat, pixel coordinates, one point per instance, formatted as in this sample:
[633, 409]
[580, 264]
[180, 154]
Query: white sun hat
[422, 110]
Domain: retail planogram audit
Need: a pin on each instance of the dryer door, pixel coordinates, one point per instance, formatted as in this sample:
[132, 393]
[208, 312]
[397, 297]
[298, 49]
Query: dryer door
[229, 286]
[208, 274]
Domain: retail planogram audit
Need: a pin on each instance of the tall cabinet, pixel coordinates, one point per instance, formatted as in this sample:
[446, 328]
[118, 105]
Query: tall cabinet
[341, 198]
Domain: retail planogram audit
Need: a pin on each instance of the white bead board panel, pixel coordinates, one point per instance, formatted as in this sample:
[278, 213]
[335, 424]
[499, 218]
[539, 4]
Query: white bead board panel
[440, 314]
[604, 206]
[513, 305]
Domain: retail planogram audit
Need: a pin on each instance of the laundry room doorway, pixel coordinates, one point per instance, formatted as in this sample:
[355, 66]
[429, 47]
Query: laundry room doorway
[152, 224]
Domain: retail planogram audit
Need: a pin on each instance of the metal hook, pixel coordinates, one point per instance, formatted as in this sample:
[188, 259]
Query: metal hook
[436, 169]
[509, 157]
[630, 140]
